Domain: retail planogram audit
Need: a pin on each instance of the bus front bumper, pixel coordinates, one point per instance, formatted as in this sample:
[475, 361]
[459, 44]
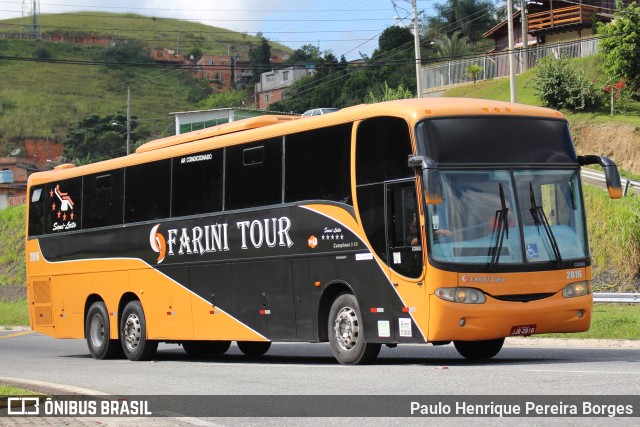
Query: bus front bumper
[496, 319]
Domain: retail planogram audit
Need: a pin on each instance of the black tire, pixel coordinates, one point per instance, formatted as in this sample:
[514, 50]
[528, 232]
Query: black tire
[133, 333]
[346, 335]
[254, 348]
[205, 348]
[97, 331]
[478, 350]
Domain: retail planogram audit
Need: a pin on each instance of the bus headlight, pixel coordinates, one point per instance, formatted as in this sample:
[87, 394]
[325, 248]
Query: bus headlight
[461, 295]
[577, 289]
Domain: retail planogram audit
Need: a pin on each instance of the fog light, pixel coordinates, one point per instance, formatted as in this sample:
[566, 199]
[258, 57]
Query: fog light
[580, 314]
[462, 322]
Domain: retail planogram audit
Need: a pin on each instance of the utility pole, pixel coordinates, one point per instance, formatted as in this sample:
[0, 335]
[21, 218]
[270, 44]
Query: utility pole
[416, 39]
[512, 65]
[525, 35]
[128, 118]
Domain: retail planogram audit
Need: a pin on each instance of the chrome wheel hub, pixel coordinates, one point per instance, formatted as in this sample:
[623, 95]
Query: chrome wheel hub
[132, 332]
[346, 328]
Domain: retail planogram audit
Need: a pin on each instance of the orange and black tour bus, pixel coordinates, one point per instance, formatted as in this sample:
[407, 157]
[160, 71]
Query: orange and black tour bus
[412, 221]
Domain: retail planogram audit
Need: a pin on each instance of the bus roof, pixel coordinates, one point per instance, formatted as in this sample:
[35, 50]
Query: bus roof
[269, 126]
[236, 126]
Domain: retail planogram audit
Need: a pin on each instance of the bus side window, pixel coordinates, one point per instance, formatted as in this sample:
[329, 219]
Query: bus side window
[197, 184]
[103, 197]
[254, 175]
[147, 191]
[317, 165]
[36, 211]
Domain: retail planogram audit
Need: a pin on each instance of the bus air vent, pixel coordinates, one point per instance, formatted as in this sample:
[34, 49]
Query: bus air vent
[523, 297]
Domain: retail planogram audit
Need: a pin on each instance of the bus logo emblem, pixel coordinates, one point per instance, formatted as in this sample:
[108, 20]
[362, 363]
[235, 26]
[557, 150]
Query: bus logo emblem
[313, 242]
[158, 243]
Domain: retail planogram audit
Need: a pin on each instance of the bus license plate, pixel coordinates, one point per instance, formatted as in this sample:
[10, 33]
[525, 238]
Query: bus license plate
[523, 330]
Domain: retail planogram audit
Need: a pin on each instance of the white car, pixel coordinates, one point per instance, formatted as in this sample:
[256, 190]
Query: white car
[319, 111]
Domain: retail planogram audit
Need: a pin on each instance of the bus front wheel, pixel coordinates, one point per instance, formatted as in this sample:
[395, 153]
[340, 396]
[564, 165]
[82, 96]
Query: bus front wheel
[346, 334]
[254, 348]
[205, 348]
[477, 350]
[133, 333]
[98, 330]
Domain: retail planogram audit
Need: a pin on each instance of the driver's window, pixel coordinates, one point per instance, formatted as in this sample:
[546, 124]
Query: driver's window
[405, 251]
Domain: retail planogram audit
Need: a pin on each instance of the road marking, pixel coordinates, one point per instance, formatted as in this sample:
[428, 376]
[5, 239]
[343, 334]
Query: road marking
[16, 334]
[582, 372]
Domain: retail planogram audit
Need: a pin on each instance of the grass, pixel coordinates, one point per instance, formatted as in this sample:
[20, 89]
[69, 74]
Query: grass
[14, 313]
[499, 90]
[614, 236]
[14, 391]
[610, 321]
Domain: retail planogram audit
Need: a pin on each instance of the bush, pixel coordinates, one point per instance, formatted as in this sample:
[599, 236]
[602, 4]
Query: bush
[614, 237]
[561, 85]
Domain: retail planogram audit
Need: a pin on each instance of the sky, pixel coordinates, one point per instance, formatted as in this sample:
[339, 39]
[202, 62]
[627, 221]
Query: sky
[346, 27]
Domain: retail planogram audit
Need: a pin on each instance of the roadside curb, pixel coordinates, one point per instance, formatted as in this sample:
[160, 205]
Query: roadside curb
[14, 328]
[572, 342]
[49, 388]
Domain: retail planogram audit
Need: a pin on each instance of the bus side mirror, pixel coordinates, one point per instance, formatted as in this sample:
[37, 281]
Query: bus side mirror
[612, 177]
[430, 178]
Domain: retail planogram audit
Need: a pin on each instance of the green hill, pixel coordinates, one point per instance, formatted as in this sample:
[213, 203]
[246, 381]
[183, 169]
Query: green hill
[41, 99]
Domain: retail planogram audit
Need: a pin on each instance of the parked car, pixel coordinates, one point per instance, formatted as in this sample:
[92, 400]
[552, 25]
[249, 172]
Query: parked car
[319, 111]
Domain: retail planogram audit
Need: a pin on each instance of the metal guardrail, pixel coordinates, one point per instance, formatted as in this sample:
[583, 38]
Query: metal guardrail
[619, 297]
[627, 184]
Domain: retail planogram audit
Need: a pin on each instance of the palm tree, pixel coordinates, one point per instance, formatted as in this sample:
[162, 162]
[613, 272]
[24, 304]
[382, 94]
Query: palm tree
[456, 45]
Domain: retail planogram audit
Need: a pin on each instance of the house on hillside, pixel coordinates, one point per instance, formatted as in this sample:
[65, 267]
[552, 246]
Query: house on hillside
[14, 172]
[550, 21]
[223, 70]
[273, 84]
[34, 155]
[167, 56]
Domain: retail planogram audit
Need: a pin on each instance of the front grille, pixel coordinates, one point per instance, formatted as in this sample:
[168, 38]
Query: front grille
[523, 297]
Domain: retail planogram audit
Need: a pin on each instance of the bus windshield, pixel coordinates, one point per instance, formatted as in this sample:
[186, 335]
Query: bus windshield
[503, 217]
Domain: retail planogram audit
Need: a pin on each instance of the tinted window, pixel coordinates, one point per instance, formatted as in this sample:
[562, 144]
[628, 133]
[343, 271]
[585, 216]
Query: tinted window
[63, 205]
[254, 174]
[382, 150]
[147, 191]
[317, 165]
[103, 197]
[36, 211]
[197, 183]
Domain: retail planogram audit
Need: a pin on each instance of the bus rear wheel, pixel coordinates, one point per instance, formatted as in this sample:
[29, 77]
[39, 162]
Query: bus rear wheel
[97, 331]
[133, 333]
[205, 348]
[254, 348]
[477, 350]
[346, 334]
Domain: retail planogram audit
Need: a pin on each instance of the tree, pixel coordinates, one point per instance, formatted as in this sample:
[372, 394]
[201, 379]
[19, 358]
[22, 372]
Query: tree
[621, 45]
[307, 54]
[561, 85]
[395, 57]
[388, 94]
[456, 45]
[471, 17]
[473, 71]
[260, 57]
[96, 138]
[225, 99]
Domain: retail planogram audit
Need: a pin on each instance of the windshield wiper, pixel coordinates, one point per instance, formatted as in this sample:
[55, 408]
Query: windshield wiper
[501, 228]
[540, 218]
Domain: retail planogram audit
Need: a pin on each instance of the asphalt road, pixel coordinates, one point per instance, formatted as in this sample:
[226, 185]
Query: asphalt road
[521, 368]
